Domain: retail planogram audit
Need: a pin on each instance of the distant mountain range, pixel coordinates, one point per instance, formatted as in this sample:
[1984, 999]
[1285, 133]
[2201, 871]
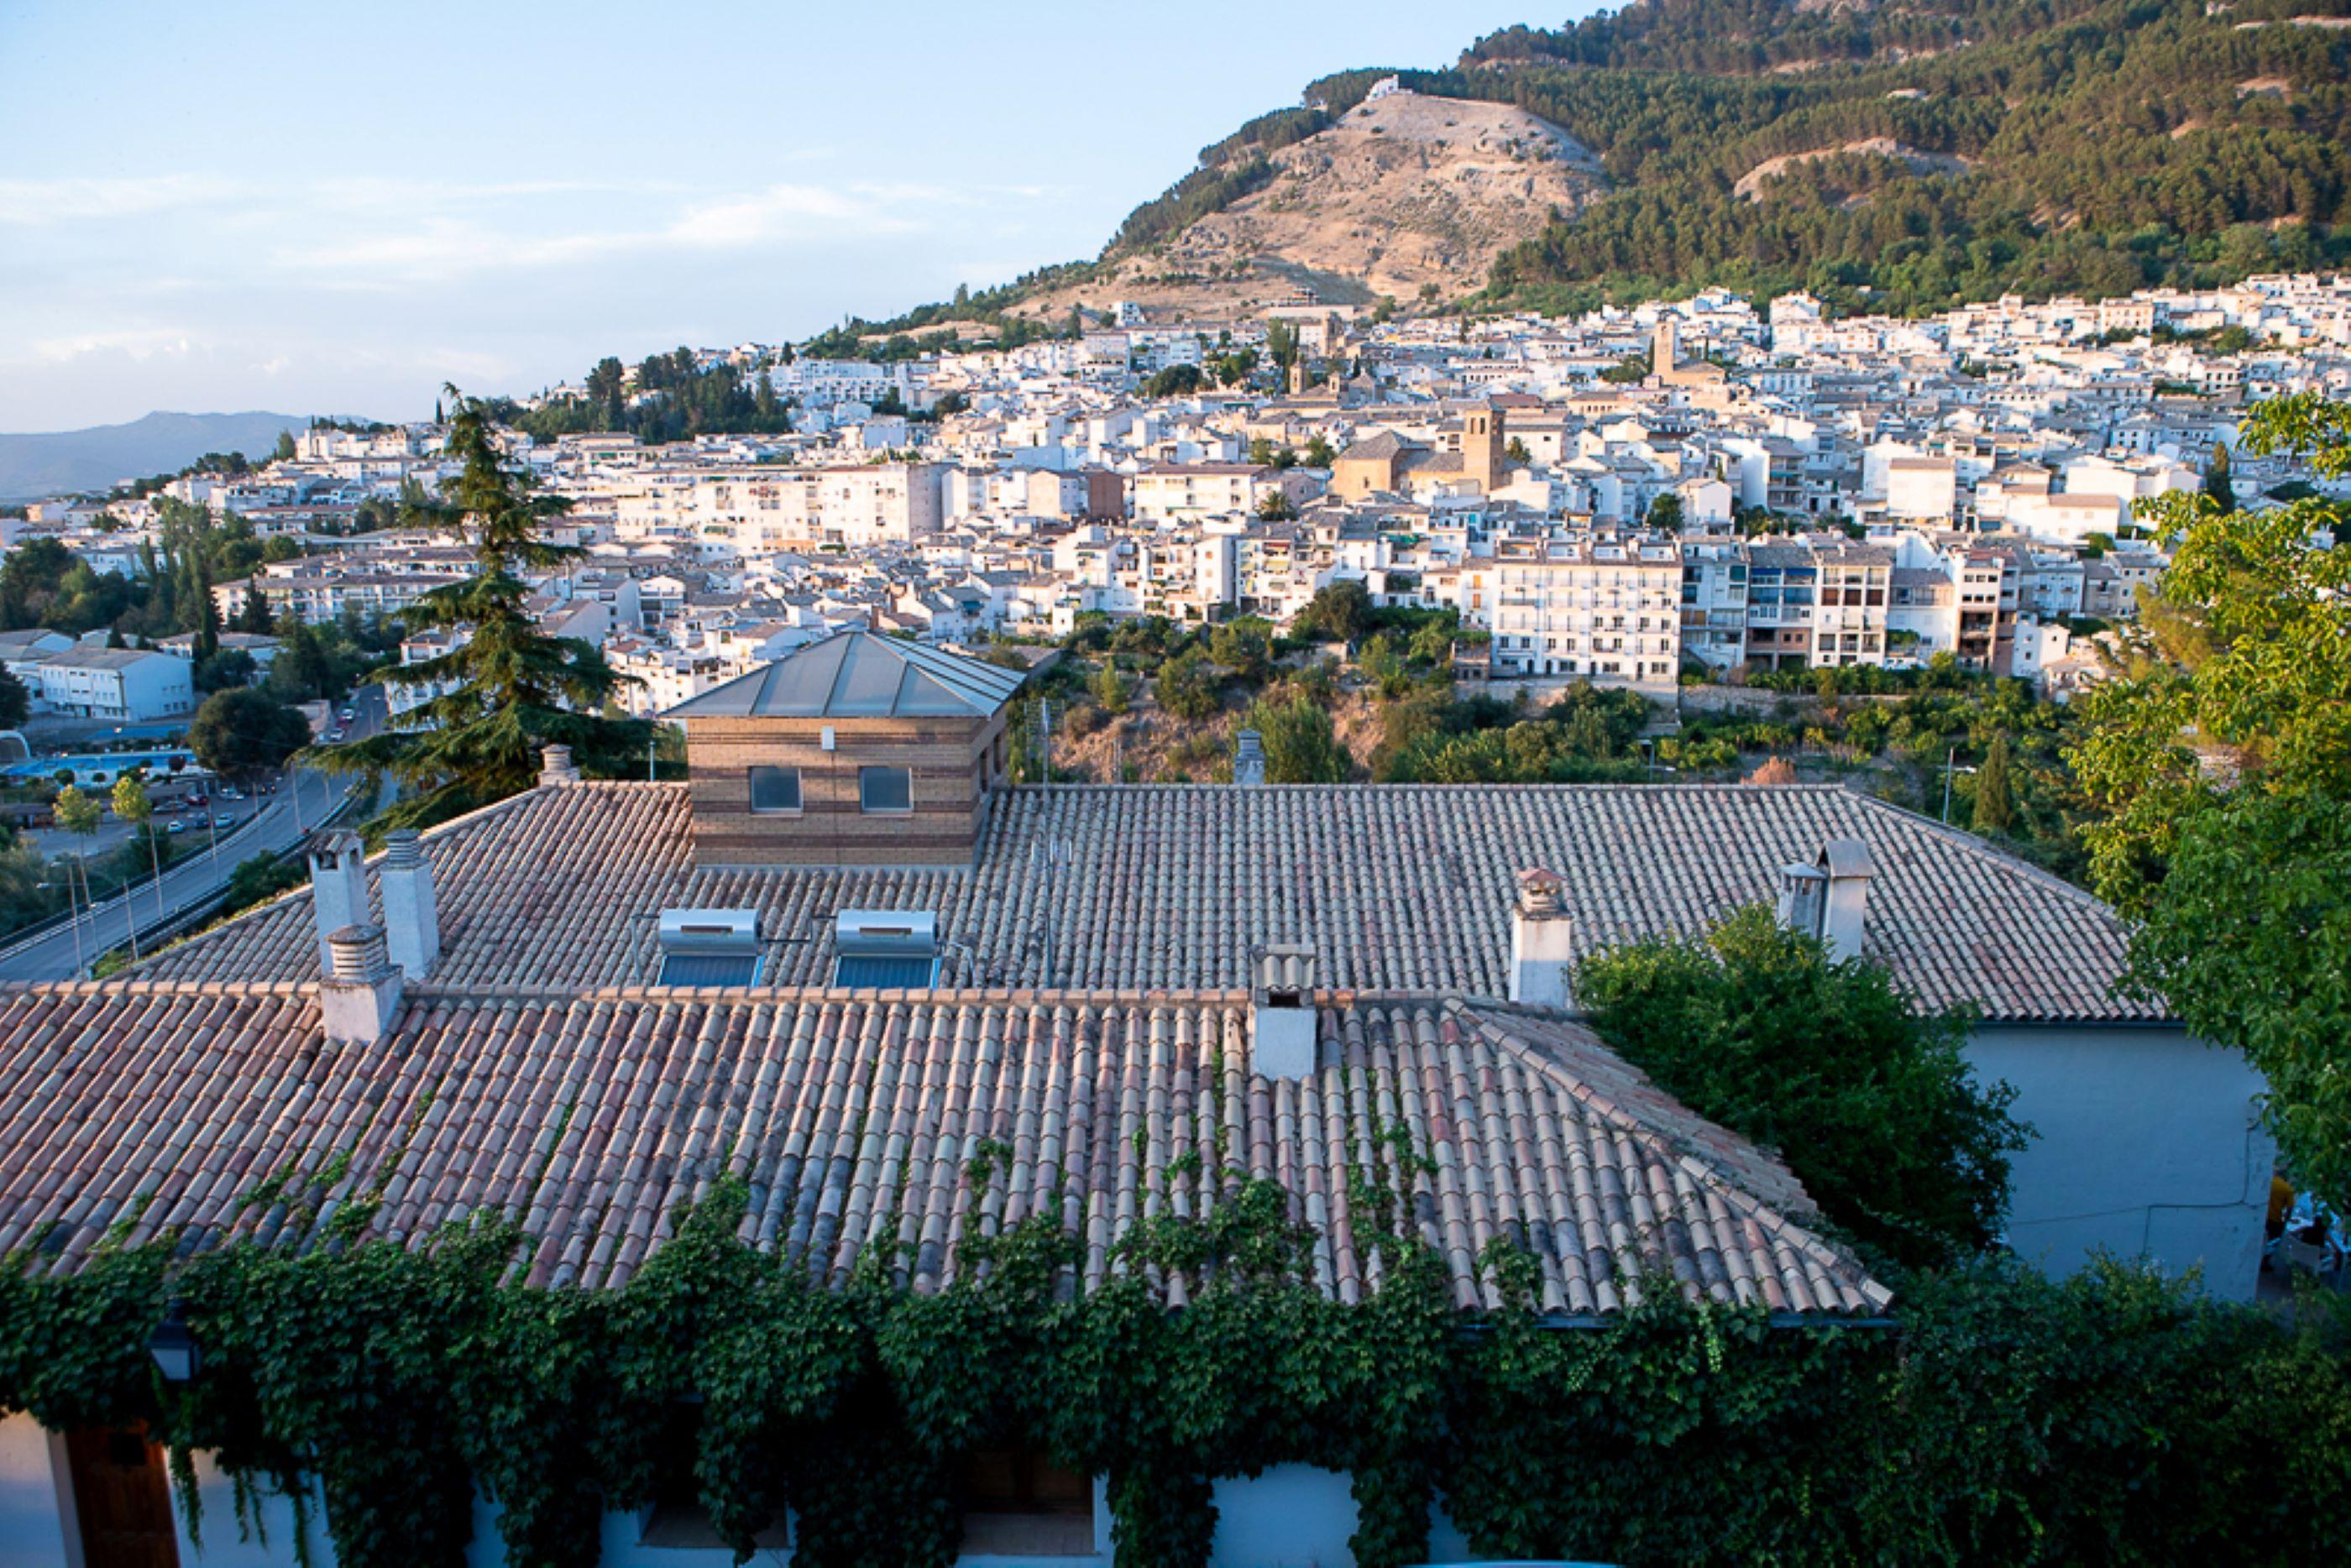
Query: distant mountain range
[65, 462]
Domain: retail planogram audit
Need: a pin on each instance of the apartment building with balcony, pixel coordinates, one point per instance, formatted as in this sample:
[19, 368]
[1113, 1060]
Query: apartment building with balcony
[1604, 607]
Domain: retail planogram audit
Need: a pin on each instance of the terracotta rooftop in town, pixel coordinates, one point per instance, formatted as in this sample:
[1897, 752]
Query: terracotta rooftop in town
[136, 1112]
[1399, 887]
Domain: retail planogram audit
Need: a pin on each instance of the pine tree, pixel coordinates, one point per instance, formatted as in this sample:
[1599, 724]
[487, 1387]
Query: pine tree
[1995, 808]
[512, 690]
[254, 617]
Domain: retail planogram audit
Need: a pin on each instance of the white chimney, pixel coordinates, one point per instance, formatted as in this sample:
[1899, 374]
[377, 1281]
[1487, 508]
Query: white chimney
[556, 766]
[1543, 952]
[1802, 891]
[1828, 900]
[412, 917]
[361, 991]
[338, 886]
[1248, 758]
[1845, 865]
[1282, 1012]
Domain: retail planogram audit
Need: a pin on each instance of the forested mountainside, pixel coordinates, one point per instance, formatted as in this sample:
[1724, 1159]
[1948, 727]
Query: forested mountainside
[1891, 154]
[1933, 153]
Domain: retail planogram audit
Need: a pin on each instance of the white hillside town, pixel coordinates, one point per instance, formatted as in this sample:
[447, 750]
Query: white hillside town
[1705, 485]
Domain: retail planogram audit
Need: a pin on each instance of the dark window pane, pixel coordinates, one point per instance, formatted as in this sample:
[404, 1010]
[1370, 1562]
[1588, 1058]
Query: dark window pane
[775, 789]
[885, 789]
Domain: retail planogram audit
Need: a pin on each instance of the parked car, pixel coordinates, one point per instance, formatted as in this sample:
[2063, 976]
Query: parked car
[175, 825]
[336, 734]
[225, 819]
[347, 716]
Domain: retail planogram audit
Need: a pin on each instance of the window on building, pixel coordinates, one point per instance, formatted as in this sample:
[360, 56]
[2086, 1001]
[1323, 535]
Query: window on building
[1015, 1503]
[775, 790]
[882, 791]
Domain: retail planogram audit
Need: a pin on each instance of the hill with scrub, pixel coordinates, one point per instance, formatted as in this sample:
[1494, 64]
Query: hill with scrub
[1902, 155]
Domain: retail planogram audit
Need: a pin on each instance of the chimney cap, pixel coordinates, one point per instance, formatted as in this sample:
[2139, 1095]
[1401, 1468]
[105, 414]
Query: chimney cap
[1540, 891]
[1284, 966]
[357, 952]
[331, 844]
[400, 850]
[556, 766]
[1842, 857]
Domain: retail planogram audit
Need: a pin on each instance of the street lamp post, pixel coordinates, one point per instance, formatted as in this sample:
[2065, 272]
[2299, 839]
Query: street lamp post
[1951, 758]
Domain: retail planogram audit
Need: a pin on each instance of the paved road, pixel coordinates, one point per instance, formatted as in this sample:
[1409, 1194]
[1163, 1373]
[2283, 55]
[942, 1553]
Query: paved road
[285, 818]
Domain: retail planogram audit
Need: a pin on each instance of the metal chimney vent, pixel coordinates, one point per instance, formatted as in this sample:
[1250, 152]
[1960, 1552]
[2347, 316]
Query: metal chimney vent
[709, 947]
[885, 950]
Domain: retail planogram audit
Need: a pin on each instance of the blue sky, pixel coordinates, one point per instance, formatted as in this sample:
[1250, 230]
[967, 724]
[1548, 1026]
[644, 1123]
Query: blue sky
[314, 207]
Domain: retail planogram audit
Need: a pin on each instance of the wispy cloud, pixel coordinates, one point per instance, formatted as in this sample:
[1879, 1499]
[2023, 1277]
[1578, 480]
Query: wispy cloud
[137, 342]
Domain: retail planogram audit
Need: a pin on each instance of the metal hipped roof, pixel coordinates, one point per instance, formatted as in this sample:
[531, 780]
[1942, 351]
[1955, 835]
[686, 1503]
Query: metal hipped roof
[859, 675]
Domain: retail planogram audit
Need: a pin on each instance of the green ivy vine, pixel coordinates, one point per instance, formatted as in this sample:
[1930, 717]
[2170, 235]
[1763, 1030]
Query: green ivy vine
[2002, 1418]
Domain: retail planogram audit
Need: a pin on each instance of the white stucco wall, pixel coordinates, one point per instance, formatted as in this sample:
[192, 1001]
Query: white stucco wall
[32, 1528]
[2148, 1145]
[266, 1542]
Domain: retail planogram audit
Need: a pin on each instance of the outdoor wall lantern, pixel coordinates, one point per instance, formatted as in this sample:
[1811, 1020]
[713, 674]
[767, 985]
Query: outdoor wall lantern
[173, 1345]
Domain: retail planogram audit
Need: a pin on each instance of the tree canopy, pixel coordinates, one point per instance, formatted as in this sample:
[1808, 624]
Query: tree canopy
[508, 690]
[1869, 1100]
[241, 731]
[2222, 755]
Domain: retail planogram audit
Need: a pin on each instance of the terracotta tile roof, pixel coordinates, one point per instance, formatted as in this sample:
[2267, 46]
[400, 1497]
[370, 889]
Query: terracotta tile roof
[1398, 888]
[131, 1111]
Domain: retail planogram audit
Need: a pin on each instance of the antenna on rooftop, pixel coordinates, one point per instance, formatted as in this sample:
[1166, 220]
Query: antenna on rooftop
[1046, 858]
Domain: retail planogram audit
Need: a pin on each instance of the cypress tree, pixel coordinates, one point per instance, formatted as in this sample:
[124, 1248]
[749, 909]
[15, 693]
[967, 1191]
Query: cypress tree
[512, 688]
[1995, 808]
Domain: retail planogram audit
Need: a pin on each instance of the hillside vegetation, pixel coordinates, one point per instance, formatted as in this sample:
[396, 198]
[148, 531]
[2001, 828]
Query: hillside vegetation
[1904, 155]
[1932, 153]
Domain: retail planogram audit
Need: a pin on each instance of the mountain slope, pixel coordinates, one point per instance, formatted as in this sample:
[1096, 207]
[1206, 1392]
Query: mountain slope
[1898, 154]
[1399, 193]
[1925, 153]
[67, 462]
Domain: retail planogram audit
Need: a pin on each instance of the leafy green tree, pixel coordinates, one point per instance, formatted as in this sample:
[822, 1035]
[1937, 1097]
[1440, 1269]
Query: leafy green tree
[1275, 507]
[1300, 746]
[284, 450]
[1385, 669]
[1318, 453]
[1995, 806]
[1666, 513]
[229, 667]
[1243, 646]
[241, 731]
[1340, 612]
[15, 702]
[1517, 451]
[1871, 1101]
[2223, 758]
[1175, 381]
[1185, 687]
[1110, 688]
[79, 815]
[134, 806]
[512, 688]
[254, 618]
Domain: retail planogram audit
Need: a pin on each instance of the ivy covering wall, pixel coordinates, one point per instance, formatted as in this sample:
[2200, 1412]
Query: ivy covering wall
[2000, 1417]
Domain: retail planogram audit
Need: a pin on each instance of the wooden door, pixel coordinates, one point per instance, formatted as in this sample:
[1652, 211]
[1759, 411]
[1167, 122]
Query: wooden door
[121, 1499]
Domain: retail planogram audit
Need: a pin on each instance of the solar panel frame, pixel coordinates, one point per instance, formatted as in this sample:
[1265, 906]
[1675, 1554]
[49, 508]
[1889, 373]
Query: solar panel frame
[862, 971]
